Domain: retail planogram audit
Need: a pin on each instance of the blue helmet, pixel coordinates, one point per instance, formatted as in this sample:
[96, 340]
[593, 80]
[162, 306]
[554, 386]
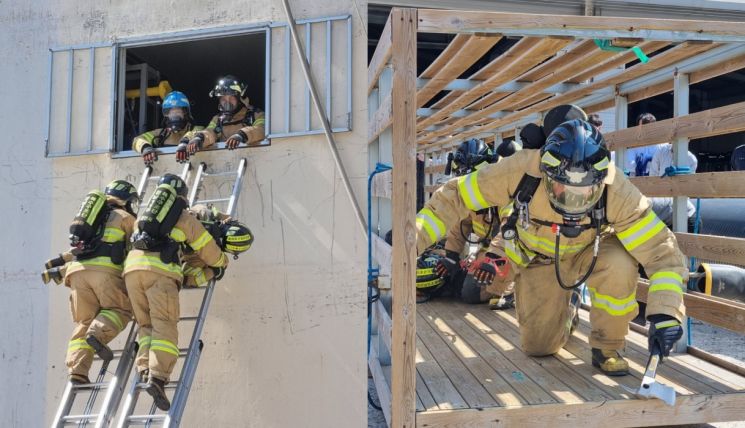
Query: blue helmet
[175, 99]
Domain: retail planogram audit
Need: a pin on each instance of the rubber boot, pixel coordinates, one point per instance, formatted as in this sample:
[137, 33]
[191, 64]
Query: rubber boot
[103, 351]
[502, 303]
[609, 362]
[575, 301]
[157, 389]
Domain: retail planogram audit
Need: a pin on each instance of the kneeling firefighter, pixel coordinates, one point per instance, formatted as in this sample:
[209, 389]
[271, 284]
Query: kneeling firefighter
[92, 269]
[587, 223]
[484, 276]
[153, 274]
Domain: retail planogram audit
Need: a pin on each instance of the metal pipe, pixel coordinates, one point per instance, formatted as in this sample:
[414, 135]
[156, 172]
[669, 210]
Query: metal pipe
[322, 116]
[589, 8]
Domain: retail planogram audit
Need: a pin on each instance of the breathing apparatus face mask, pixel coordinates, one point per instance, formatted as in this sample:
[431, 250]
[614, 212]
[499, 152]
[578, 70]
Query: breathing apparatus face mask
[176, 119]
[573, 203]
[227, 106]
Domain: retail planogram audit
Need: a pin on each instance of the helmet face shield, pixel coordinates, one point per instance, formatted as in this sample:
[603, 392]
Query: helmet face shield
[572, 200]
[176, 118]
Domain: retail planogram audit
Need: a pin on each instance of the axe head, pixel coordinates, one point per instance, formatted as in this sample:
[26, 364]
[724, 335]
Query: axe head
[650, 388]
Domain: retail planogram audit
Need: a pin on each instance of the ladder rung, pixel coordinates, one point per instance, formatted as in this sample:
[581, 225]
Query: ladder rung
[145, 418]
[219, 174]
[100, 385]
[79, 418]
[169, 385]
[209, 201]
[188, 318]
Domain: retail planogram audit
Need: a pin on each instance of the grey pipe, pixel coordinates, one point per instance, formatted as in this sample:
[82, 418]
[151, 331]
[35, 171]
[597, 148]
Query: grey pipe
[319, 108]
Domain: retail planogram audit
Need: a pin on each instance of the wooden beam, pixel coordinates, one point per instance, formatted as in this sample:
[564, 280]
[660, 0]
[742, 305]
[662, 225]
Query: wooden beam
[380, 121]
[599, 107]
[384, 323]
[448, 21]
[447, 99]
[676, 54]
[488, 100]
[718, 361]
[583, 48]
[710, 247]
[719, 312]
[382, 185]
[617, 61]
[523, 56]
[435, 169]
[452, 48]
[461, 59]
[403, 389]
[707, 123]
[702, 185]
[688, 409]
[381, 384]
[380, 58]
[382, 254]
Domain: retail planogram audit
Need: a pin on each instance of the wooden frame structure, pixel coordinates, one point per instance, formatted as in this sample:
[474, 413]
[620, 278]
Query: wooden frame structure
[555, 62]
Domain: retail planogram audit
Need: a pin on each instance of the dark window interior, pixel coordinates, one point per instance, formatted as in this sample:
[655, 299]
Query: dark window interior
[193, 67]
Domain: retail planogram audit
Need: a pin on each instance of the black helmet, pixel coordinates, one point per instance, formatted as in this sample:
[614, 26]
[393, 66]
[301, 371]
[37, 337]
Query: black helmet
[230, 85]
[560, 114]
[427, 279]
[471, 155]
[176, 182]
[531, 136]
[507, 149]
[574, 163]
[124, 194]
[236, 237]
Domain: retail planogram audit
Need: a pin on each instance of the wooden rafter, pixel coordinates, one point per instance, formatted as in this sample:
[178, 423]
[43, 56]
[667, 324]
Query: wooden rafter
[460, 60]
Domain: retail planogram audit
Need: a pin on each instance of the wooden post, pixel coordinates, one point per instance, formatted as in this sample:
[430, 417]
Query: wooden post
[403, 58]
[680, 158]
[622, 117]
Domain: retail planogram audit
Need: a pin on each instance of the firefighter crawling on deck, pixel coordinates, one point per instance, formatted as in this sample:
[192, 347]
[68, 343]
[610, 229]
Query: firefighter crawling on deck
[586, 224]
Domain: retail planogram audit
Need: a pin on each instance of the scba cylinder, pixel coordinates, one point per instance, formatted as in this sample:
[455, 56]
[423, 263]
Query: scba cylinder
[725, 281]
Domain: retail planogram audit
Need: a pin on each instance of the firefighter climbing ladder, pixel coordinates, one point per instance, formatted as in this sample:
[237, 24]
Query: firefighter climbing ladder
[114, 388]
[193, 353]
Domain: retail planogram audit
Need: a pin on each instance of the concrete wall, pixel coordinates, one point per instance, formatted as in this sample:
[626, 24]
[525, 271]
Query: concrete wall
[285, 338]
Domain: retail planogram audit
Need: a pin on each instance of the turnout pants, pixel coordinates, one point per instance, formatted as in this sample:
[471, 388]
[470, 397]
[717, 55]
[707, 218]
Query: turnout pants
[543, 308]
[156, 308]
[100, 307]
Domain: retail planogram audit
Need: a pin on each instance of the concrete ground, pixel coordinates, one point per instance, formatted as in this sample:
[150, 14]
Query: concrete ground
[721, 342]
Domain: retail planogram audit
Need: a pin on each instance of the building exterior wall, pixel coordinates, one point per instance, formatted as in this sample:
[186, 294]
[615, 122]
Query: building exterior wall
[285, 336]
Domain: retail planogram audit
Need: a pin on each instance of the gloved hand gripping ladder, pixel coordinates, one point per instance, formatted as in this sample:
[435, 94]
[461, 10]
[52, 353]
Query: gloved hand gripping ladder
[193, 353]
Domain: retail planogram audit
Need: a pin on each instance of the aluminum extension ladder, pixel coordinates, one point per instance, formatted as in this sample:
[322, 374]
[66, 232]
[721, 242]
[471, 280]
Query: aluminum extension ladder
[148, 177]
[114, 388]
[192, 354]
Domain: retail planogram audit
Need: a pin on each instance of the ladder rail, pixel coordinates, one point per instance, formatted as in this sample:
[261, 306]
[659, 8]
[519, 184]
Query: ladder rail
[197, 182]
[237, 186]
[116, 387]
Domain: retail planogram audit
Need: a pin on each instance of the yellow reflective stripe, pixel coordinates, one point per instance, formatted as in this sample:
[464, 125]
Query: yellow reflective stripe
[113, 317]
[515, 254]
[164, 345]
[666, 281]
[145, 341]
[177, 234]
[152, 261]
[79, 344]
[203, 239]
[431, 283]
[603, 164]
[550, 160]
[641, 231]
[468, 187]
[425, 271]
[431, 224]
[479, 229]
[259, 122]
[665, 324]
[546, 245]
[612, 305]
[112, 234]
[104, 261]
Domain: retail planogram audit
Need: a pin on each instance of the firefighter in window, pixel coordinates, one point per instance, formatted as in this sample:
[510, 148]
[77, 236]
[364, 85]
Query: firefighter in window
[177, 124]
[237, 121]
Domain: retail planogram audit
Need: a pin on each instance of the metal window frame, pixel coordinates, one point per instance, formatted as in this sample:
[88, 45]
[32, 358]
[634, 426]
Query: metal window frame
[91, 48]
[328, 22]
[180, 37]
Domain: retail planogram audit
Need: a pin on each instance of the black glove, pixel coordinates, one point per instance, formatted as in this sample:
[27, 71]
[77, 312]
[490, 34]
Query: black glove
[235, 140]
[664, 331]
[485, 268]
[219, 273]
[448, 265]
[182, 155]
[149, 155]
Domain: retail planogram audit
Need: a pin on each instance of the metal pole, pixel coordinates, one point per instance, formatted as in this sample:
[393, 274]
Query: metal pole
[622, 118]
[680, 158]
[322, 116]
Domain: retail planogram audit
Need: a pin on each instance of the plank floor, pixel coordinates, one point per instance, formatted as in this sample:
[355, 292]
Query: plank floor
[469, 357]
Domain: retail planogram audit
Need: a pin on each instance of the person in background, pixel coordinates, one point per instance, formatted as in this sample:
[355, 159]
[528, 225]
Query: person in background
[638, 159]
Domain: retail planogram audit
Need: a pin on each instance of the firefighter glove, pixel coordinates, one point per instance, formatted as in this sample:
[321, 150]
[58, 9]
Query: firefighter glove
[195, 144]
[664, 331]
[235, 140]
[149, 155]
[448, 265]
[485, 268]
[182, 153]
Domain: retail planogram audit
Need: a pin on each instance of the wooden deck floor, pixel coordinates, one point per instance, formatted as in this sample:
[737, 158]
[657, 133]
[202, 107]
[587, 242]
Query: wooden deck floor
[471, 372]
